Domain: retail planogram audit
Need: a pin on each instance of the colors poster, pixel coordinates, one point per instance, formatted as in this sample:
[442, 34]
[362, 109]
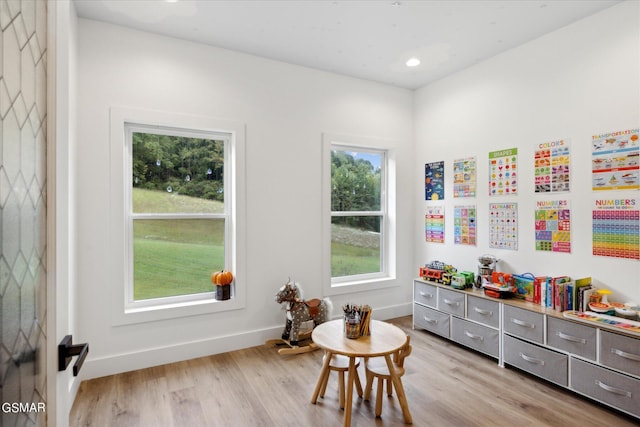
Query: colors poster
[614, 161]
[464, 225]
[553, 226]
[552, 161]
[503, 172]
[616, 228]
[503, 226]
[434, 181]
[434, 224]
[464, 177]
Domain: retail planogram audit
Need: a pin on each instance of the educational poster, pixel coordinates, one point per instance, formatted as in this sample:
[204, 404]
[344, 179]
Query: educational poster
[615, 161]
[464, 177]
[616, 228]
[434, 224]
[503, 172]
[464, 225]
[503, 226]
[553, 226]
[434, 181]
[552, 160]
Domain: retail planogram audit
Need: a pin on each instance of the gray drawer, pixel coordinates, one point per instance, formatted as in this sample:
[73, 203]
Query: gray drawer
[478, 337]
[431, 320]
[425, 294]
[451, 302]
[572, 337]
[483, 311]
[539, 361]
[523, 323]
[607, 386]
[620, 352]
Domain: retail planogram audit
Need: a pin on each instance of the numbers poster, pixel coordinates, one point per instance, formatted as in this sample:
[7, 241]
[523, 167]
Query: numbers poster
[434, 224]
[464, 225]
[552, 160]
[616, 228]
[503, 226]
[434, 181]
[615, 161]
[464, 177]
[503, 172]
[553, 226]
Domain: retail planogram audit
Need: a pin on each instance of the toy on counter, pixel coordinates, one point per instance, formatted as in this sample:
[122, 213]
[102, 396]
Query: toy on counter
[462, 280]
[486, 266]
[438, 271]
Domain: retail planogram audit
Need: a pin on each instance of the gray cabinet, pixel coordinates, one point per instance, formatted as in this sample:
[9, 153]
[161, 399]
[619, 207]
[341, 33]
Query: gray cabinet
[592, 360]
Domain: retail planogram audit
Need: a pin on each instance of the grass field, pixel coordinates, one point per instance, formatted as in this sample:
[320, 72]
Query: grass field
[177, 257]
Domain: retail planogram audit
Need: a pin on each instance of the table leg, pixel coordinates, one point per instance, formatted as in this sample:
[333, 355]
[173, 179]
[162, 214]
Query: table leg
[349, 397]
[397, 383]
[323, 373]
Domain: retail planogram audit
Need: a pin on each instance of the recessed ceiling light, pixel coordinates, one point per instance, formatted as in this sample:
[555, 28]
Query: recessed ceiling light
[413, 62]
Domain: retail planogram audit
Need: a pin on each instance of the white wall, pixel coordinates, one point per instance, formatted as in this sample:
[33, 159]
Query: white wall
[285, 109]
[571, 84]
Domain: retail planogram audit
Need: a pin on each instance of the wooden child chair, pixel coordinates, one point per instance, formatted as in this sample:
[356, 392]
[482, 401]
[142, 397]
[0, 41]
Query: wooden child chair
[377, 368]
[340, 364]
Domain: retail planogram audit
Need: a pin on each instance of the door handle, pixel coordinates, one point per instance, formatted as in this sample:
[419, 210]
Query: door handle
[66, 351]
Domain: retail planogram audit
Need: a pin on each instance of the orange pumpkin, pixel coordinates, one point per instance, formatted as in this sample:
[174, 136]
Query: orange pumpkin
[222, 278]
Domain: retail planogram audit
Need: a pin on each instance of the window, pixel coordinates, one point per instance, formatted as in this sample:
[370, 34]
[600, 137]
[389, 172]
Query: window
[178, 218]
[177, 213]
[361, 231]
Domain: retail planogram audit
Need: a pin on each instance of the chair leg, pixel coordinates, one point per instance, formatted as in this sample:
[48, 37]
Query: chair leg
[325, 380]
[341, 389]
[379, 398]
[368, 386]
[358, 384]
[389, 387]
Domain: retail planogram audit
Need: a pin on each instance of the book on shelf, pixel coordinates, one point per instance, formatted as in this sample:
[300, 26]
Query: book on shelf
[581, 285]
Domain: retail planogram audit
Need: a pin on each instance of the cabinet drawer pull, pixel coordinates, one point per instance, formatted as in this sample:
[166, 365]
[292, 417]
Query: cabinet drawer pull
[483, 312]
[474, 337]
[426, 295]
[613, 390]
[532, 359]
[571, 338]
[626, 355]
[434, 321]
[523, 323]
[449, 302]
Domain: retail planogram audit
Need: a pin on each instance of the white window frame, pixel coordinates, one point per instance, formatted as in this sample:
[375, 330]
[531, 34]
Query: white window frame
[370, 281]
[123, 120]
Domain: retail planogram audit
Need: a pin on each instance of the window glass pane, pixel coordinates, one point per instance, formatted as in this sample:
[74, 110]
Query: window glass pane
[355, 180]
[355, 245]
[176, 256]
[177, 174]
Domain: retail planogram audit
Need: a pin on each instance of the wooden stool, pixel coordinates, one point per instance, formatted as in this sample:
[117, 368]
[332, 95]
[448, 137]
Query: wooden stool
[377, 368]
[340, 364]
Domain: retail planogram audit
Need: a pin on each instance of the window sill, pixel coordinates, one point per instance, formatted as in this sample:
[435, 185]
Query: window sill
[363, 285]
[154, 313]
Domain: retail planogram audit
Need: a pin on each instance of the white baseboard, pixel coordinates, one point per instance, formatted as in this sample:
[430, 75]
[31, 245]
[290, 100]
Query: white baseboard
[124, 362]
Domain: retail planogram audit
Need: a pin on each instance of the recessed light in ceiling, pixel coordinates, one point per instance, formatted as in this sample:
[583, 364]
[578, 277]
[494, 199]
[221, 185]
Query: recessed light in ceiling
[413, 62]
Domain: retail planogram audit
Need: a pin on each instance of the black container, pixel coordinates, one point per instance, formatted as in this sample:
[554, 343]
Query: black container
[223, 292]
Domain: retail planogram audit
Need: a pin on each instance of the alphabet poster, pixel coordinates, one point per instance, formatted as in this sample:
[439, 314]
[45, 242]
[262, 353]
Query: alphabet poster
[464, 177]
[615, 160]
[434, 181]
[616, 228]
[434, 224]
[552, 162]
[503, 172]
[553, 226]
[464, 225]
[503, 226]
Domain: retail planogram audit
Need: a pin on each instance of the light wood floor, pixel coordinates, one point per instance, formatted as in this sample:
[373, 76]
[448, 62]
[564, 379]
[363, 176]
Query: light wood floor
[446, 385]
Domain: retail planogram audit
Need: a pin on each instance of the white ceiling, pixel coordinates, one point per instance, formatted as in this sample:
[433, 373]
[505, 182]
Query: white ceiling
[366, 39]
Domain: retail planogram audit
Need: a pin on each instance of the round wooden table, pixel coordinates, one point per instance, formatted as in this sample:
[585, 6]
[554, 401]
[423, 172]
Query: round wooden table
[385, 339]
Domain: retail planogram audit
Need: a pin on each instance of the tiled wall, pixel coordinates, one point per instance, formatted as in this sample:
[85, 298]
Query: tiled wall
[22, 208]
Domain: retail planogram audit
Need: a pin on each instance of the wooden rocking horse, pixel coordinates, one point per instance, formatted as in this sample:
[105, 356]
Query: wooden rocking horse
[302, 317]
